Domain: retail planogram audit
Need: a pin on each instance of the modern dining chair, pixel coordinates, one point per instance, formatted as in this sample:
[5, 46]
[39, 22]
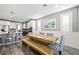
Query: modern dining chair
[9, 39]
[50, 34]
[58, 46]
[41, 33]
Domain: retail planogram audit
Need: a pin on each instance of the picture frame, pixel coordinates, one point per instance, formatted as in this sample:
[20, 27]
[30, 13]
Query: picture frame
[49, 23]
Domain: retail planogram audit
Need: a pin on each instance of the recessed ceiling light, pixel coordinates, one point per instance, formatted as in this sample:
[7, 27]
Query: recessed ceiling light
[45, 5]
[12, 12]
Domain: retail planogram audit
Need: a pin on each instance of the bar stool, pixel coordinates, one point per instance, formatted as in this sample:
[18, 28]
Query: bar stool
[1, 42]
[17, 38]
[3, 37]
[8, 39]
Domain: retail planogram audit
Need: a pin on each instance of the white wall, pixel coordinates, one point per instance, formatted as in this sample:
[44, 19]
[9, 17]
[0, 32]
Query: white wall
[72, 39]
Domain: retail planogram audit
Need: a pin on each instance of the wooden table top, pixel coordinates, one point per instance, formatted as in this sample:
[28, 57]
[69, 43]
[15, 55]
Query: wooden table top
[50, 39]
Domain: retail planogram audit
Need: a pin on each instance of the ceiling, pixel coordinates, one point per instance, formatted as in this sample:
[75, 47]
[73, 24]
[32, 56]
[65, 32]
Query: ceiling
[23, 12]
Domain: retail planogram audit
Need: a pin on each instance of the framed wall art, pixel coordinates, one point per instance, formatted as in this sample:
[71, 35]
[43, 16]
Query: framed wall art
[49, 24]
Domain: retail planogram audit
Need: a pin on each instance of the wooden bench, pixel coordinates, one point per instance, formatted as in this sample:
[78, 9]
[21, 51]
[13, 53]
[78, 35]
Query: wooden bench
[38, 47]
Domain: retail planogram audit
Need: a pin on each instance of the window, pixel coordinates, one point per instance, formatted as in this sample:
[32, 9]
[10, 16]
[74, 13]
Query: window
[66, 22]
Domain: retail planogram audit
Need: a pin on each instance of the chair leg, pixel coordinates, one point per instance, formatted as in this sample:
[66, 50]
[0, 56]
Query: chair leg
[60, 52]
